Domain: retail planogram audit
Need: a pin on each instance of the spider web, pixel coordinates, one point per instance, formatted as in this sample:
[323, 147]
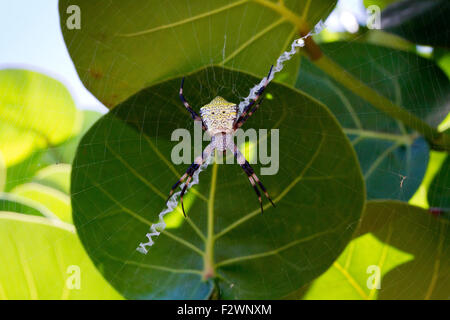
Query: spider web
[157, 228]
[207, 55]
[239, 92]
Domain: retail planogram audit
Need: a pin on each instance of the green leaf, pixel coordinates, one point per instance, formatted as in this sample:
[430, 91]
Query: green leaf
[122, 48]
[25, 170]
[408, 244]
[420, 21]
[36, 111]
[420, 198]
[40, 259]
[54, 200]
[14, 203]
[393, 158]
[55, 176]
[439, 190]
[46, 196]
[65, 152]
[442, 57]
[122, 174]
[380, 3]
[2, 173]
[347, 278]
[17, 144]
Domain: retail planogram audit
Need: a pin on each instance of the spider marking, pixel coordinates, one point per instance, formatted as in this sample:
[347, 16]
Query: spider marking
[220, 119]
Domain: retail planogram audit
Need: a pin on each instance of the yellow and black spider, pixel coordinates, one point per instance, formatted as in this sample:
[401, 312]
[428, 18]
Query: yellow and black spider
[220, 119]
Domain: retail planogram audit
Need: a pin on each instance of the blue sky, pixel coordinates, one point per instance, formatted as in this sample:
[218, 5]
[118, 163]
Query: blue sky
[30, 38]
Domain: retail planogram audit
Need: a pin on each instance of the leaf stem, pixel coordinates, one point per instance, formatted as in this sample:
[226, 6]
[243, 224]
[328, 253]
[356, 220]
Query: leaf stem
[208, 259]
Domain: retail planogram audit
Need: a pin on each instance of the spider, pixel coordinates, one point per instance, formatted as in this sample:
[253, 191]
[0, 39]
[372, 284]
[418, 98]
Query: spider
[220, 119]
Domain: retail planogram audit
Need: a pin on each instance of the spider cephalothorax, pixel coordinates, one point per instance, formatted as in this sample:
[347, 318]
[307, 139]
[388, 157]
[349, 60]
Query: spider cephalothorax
[219, 116]
[220, 119]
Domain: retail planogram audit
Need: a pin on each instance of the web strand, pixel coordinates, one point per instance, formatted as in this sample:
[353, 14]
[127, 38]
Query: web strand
[172, 203]
[285, 56]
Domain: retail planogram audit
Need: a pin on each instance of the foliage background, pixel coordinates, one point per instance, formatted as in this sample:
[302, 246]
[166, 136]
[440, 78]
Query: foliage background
[41, 125]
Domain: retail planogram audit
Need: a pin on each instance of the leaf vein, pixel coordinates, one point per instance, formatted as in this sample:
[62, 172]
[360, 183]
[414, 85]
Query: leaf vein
[184, 21]
[275, 251]
[277, 199]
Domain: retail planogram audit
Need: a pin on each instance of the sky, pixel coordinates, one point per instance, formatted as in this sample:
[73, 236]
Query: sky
[31, 38]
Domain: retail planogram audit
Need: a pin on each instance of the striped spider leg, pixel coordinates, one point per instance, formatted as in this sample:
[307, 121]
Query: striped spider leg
[251, 175]
[239, 124]
[246, 113]
[220, 119]
[194, 114]
[207, 152]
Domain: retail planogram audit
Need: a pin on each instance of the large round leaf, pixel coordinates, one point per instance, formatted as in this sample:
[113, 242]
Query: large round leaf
[122, 47]
[392, 157]
[123, 171]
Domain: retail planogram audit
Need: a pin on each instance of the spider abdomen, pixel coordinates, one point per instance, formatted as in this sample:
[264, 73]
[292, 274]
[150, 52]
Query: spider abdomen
[222, 142]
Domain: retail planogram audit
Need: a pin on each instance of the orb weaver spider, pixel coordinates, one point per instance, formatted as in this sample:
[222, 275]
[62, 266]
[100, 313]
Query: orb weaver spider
[220, 119]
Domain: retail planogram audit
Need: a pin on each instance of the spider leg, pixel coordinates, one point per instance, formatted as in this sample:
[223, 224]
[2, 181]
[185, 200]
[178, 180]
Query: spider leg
[183, 192]
[243, 117]
[240, 123]
[183, 177]
[262, 188]
[189, 173]
[251, 176]
[257, 192]
[194, 115]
